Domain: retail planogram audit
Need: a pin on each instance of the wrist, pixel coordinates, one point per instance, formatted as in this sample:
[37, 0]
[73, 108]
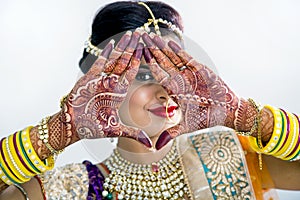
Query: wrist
[59, 135]
[58, 138]
[246, 117]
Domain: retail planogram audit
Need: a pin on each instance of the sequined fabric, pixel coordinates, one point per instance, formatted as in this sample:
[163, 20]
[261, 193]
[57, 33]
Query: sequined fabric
[68, 182]
[214, 165]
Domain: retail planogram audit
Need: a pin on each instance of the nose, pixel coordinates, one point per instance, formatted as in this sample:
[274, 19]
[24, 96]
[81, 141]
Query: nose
[161, 94]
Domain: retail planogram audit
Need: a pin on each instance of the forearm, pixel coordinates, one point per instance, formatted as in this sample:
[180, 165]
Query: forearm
[32, 188]
[24, 154]
[272, 131]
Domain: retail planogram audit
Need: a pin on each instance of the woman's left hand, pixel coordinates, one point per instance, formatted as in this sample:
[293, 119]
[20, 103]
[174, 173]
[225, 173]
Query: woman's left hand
[204, 99]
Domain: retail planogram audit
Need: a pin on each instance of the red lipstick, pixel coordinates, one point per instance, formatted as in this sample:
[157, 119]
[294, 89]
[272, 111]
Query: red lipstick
[163, 112]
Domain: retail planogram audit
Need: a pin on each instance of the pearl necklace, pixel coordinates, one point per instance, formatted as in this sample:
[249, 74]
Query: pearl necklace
[160, 180]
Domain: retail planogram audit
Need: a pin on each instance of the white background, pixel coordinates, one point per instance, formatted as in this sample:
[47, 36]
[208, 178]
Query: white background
[255, 46]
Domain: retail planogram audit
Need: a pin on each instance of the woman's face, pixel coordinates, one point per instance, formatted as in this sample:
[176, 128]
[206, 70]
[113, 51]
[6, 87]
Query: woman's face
[147, 105]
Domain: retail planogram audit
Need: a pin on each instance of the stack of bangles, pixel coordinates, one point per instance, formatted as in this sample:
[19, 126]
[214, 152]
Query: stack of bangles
[18, 160]
[285, 140]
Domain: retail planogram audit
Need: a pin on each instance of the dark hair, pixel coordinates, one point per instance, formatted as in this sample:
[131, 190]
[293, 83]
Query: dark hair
[121, 16]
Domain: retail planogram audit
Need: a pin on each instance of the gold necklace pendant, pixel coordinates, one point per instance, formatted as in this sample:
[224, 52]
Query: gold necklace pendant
[160, 180]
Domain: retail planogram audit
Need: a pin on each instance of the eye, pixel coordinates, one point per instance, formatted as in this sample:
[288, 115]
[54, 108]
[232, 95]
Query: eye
[144, 76]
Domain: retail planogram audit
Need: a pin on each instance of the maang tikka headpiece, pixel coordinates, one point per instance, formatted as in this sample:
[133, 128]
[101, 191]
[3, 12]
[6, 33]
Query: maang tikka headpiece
[94, 50]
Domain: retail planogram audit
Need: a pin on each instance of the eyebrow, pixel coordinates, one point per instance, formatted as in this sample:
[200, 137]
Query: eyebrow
[144, 66]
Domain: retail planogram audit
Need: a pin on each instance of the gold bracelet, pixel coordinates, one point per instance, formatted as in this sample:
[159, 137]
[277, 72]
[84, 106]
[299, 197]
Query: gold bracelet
[254, 128]
[63, 100]
[44, 135]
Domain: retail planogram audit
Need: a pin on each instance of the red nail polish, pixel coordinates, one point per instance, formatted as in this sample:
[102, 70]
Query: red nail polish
[147, 54]
[145, 140]
[139, 51]
[163, 139]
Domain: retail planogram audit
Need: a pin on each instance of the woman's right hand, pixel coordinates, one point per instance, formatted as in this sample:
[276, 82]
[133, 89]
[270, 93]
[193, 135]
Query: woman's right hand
[91, 108]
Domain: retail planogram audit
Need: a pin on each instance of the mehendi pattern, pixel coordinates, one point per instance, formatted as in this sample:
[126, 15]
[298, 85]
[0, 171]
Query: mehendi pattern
[195, 86]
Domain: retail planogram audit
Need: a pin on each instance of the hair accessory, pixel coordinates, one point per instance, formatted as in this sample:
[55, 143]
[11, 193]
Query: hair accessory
[155, 22]
[92, 49]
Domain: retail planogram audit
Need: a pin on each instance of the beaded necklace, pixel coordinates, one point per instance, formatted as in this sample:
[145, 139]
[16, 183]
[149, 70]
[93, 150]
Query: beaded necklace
[160, 180]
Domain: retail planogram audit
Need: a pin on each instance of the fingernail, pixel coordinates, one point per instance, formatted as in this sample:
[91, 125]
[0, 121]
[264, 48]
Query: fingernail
[122, 44]
[147, 40]
[139, 51]
[147, 55]
[134, 40]
[145, 140]
[107, 49]
[159, 42]
[163, 139]
[174, 46]
[151, 34]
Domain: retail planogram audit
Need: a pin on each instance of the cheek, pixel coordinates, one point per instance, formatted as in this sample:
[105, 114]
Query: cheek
[132, 111]
[137, 109]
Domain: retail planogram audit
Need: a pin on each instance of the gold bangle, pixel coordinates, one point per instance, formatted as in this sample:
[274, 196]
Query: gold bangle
[62, 101]
[44, 135]
[254, 128]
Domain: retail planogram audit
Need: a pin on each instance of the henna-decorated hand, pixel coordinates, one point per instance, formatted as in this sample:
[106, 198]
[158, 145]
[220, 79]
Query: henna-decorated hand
[204, 98]
[91, 108]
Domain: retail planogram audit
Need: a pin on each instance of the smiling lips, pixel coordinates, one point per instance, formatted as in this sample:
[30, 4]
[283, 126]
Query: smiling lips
[162, 112]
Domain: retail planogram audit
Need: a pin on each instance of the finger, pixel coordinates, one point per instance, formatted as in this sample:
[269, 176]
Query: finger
[135, 134]
[158, 73]
[117, 52]
[99, 64]
[125, 58]
[130, 72]
[159, 56]
[168, 135]
[161, 44]
[186, 59]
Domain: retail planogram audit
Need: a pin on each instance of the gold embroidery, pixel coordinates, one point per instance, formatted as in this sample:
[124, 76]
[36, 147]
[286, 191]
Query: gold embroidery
[224, 163]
